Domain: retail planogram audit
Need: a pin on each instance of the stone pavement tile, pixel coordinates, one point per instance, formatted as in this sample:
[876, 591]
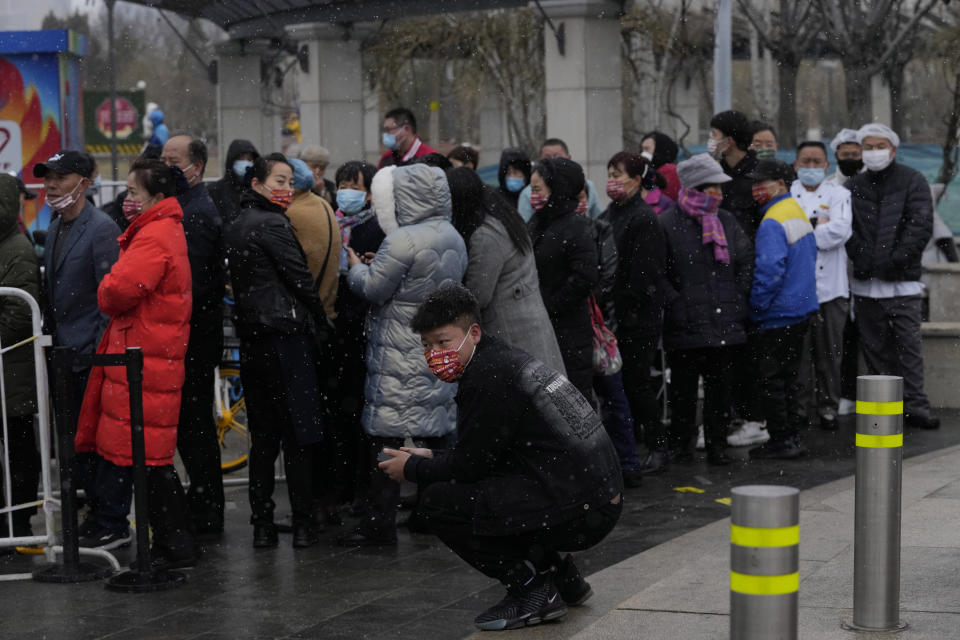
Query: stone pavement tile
[630, 623]
[930, 579]
[824, 534]
[442, 624]
[149, 632]
[365, 621]
[950, 491]
[824, 624]
[68, 627]
[916, 518]
[261, 622]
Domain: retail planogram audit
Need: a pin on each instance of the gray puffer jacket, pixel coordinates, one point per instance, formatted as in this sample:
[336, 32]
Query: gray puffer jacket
[422, 250]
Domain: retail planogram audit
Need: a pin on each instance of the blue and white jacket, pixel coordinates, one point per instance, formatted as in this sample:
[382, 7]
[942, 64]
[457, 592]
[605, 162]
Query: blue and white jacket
[784, 290]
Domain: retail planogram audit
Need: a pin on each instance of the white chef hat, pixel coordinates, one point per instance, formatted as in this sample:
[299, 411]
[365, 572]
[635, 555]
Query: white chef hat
[880, 131]
[846, 136]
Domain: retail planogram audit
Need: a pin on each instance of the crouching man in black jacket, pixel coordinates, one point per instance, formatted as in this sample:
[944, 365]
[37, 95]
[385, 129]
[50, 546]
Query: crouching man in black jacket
[533, 472]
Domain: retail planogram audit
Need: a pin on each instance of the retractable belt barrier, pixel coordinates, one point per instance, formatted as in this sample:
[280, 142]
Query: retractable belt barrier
[143, 576]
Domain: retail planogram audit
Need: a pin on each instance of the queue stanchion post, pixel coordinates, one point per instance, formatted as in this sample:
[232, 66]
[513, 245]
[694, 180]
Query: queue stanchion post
[876, 550]
[66, 404]
[764, 562]
[142, 577]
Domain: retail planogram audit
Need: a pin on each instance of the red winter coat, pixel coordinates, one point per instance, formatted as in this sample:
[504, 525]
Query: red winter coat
[148, 298]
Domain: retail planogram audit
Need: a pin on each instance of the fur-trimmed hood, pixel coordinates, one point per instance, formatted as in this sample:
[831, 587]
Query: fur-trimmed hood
[407, 195]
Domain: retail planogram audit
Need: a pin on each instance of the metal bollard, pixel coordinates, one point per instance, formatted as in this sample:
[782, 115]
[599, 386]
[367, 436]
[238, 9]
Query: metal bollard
[764, 562]
[876, 553]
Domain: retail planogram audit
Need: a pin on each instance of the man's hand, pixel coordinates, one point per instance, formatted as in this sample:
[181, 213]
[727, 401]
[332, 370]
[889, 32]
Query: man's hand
[394, 466]
[418, 451]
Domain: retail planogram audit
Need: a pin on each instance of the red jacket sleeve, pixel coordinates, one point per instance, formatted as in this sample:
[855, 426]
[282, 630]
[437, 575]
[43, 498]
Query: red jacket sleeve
[136, 273]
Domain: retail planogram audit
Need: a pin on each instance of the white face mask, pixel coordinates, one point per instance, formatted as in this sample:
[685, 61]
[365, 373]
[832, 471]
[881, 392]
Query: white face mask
[877, 159]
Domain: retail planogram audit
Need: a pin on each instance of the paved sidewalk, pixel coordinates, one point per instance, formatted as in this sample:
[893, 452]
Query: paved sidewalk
[679, 589]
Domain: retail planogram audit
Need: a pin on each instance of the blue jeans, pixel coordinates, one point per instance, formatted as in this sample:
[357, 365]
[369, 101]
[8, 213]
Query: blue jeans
[617, 419]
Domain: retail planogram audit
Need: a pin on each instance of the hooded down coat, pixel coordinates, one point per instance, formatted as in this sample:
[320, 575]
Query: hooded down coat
[147, 295]
[422, 251]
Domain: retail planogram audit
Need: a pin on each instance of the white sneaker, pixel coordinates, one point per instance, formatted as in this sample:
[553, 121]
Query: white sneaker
[750, 433]
[847, 407]
[701, 443]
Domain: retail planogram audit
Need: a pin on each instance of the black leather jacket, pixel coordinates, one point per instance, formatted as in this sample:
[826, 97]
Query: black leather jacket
[272, 286]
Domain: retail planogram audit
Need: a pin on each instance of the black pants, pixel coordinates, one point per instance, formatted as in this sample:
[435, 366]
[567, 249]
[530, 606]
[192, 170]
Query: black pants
[271, 426]
[24, 472]
[891, 343]
[850, 365]
[383, 496]
[686, 367]
[197, 444]
[781, 390]
[446, 509]
[639, 351]
[166, 503]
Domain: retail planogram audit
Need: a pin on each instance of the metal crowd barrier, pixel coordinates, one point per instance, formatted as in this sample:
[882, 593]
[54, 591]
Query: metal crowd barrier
[46, 502]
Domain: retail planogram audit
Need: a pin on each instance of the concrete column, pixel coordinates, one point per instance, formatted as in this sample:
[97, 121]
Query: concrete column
[240, 108]
[332, 90]
[583, 94]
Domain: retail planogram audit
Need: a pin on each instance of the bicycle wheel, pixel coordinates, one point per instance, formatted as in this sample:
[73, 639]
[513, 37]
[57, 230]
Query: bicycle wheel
[231, 416]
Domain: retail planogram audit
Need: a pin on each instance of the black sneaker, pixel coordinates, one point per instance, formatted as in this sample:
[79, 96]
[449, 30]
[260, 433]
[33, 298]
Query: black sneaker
[522, 607]
[921, 422]
[106, 539]
[788, 449]
[265, 535]
[572, 587]
[655, 462]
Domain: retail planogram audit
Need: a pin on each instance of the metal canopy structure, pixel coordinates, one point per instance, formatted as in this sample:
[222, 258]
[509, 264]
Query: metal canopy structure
[268, 18]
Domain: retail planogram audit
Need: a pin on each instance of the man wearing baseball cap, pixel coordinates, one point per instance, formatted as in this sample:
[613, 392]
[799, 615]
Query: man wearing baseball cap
[782, 299]
[80, 249]
[892, 224]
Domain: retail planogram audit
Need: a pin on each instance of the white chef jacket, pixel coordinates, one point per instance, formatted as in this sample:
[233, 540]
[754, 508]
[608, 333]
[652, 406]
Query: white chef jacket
[834, 201]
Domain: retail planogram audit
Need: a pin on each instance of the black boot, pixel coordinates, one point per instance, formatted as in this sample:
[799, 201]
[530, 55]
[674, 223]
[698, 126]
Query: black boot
[655, 462]
[265, 536]
[572, 587]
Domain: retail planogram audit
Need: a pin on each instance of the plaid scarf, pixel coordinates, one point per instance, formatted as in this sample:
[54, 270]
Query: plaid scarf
[346, 224]
[703, 207]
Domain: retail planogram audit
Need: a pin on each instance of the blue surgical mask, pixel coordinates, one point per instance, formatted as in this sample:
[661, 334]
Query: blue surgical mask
[768, 152]
[351, 201]
[389, 140]
[240, 167]
[811, 176]
[95, 187]
[515, 184]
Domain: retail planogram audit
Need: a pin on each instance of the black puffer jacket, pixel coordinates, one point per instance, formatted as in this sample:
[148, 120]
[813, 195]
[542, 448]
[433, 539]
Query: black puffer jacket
[567, 264]
[272, 286]
[638, 288]
[535, 449]
[738, 194]
[227, 191]
[706, 301]
[892, 223]
[203, 229]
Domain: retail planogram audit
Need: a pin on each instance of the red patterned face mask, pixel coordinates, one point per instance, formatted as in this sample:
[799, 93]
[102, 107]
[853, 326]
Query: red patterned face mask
[445, 363]
[537, 201]
[281, 197]
[131, 209]
[760, 194]
[581, 207]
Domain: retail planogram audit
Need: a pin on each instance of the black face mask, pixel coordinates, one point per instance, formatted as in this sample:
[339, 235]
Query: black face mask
[850, 168]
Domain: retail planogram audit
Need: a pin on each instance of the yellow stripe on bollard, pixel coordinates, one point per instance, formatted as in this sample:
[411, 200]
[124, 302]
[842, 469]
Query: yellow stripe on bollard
[880, 442]
[757, 537]
[764, 585]
[880, 408]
